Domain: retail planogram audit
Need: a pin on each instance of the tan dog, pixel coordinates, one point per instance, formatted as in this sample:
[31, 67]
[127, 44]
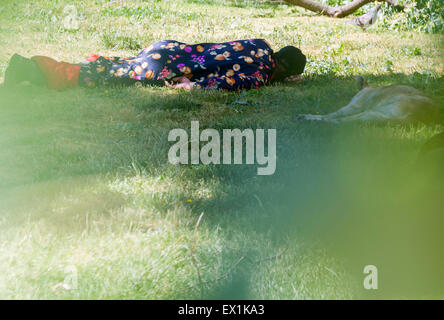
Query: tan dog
[402, 103]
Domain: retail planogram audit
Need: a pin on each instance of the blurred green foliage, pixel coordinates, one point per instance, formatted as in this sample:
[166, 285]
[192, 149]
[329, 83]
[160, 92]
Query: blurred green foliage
[424, 16]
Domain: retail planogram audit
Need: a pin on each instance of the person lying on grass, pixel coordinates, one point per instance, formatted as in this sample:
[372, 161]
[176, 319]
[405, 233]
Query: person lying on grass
[235, 65]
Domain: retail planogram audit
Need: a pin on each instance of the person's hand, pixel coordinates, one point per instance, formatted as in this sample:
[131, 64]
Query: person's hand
[180, 83]
[297, 79]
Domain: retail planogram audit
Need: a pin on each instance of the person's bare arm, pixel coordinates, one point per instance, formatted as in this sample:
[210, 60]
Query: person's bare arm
[180, 83]
[185, 83]
[297, 79]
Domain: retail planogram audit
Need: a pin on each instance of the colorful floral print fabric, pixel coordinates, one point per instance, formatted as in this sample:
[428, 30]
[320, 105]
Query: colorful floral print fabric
[242, 64]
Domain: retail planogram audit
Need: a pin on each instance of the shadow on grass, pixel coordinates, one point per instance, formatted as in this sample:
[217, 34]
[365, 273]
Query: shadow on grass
[352, 187]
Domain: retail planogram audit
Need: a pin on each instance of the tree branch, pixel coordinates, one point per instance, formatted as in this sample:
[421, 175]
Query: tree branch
[337, 12]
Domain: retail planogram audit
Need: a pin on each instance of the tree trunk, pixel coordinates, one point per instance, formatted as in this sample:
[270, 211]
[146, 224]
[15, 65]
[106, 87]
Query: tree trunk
[337, 12]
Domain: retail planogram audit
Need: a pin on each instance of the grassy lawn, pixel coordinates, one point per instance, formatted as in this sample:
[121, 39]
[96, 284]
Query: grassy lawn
[86, 190]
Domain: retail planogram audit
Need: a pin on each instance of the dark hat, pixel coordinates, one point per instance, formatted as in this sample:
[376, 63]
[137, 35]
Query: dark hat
[292, 60]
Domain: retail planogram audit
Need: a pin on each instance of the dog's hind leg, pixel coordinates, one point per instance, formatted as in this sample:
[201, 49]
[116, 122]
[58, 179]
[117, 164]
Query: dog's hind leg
[356, 106]
[312, 117]
[365, 116]
[349, 111]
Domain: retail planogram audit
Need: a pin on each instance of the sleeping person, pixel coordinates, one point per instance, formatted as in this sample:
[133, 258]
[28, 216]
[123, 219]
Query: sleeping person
[230, 66]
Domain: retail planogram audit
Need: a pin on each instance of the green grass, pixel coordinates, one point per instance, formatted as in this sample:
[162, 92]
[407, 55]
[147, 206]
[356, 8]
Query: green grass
[85, 180]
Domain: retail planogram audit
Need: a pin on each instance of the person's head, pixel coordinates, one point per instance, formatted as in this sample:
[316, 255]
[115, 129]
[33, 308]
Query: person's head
[290, 61]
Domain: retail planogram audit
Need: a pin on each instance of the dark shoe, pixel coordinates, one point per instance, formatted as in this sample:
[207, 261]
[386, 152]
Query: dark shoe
[21, 69]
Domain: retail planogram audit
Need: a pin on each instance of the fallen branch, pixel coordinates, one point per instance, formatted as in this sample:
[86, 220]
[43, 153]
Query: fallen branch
[193, 257]
[338, 12]
[275, 257]
[242, 258]
[226, 274]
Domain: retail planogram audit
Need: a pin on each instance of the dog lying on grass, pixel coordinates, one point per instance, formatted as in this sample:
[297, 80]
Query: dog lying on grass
[396, 102]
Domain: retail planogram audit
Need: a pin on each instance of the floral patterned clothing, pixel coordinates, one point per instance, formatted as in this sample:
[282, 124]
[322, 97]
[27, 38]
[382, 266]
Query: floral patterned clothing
[234, 65]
